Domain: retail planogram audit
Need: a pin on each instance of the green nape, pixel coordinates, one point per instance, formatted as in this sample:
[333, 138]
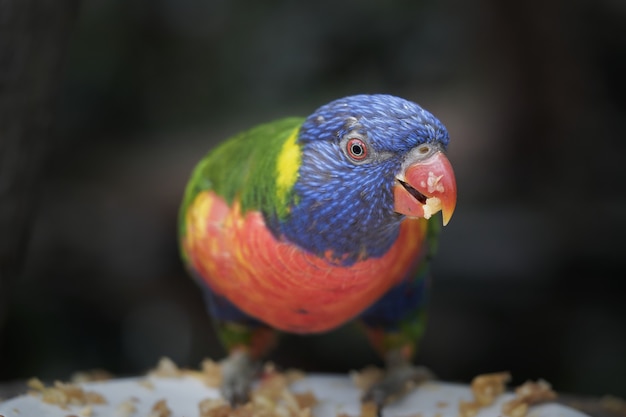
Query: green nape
[245, 167]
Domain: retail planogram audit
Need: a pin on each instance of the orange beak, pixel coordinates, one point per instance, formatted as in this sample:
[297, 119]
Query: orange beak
[425, 188]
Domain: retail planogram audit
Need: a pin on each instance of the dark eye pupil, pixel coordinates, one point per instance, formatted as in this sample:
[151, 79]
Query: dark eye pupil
[356, 149]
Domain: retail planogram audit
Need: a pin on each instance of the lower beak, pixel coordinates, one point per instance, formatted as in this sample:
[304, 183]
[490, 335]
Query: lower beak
[425, 188]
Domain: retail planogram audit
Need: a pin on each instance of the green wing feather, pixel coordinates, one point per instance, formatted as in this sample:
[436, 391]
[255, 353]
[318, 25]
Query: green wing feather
[245, 168]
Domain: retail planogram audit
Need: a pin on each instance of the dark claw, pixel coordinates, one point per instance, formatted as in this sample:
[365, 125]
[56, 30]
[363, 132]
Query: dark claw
[376, 396]
[238, 372]
[236, 397]
[394, 384]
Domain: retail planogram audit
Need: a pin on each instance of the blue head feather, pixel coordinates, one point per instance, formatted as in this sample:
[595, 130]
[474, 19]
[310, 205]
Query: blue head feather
[345, 207]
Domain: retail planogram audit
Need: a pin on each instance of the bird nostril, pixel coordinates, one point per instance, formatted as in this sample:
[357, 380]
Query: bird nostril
[424, 150]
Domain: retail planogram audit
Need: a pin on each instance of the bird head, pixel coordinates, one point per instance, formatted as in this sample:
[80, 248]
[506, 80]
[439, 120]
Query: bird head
[369, 162]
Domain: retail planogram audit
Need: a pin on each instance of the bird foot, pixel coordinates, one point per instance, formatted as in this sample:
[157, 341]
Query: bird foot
[397, 381]
[238, 372]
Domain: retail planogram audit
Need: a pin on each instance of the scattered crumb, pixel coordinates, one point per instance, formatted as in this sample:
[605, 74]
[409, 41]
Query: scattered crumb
[250, 409]
[527, 394]
[126, 408]
[271, 387]
[166, 368]
[487, 387]
[207, 406]
[294, 375]
[468, 408]
[211, 373]
[305, 399]
[516, 407]
[535, 392]
[86, 411]
[369, 409]
[366, 377]
[160, 409]
[36, 384]
[613, 404]
[223, 410]
[90, 376]
[271, 398]
[146, 383]
[64, 394]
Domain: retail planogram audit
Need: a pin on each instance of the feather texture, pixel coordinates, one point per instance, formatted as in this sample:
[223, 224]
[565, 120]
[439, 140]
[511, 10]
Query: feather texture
[280, 284]
[295, 232]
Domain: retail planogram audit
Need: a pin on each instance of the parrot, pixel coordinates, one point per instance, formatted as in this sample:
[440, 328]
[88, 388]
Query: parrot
[304, 224]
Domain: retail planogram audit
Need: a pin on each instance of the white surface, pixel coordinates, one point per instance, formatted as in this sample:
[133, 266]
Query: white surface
[335, 394]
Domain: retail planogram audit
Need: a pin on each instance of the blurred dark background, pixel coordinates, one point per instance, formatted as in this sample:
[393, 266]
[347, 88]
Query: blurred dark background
[105, 106]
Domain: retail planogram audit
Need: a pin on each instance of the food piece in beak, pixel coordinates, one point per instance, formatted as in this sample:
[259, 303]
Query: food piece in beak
[426, 187]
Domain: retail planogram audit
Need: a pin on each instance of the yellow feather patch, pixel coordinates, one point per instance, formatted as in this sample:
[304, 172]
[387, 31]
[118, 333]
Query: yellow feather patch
[287, 166]
[196, 217]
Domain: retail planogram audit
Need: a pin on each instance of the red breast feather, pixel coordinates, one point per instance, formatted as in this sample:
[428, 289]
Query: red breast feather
[279, 283]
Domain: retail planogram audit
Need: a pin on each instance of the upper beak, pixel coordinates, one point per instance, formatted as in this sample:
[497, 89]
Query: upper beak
[425, 187]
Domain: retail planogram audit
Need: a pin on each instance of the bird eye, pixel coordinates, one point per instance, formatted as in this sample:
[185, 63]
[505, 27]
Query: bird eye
[356, 149]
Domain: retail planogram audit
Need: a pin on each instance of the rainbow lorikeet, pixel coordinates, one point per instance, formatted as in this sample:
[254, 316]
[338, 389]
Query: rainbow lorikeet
[303, 224]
